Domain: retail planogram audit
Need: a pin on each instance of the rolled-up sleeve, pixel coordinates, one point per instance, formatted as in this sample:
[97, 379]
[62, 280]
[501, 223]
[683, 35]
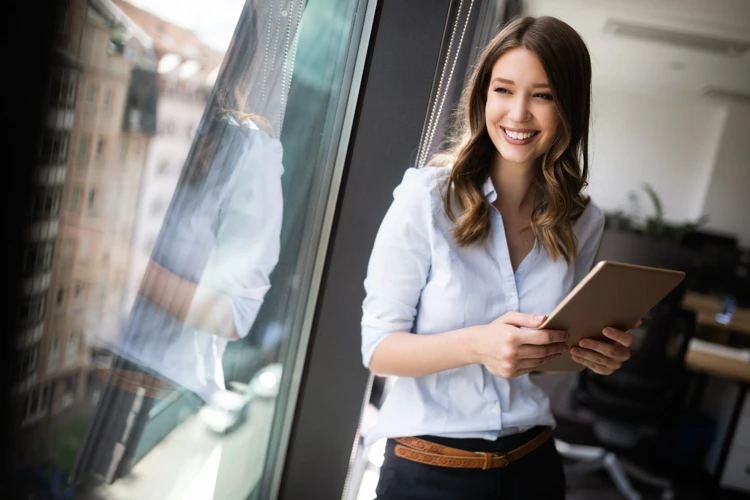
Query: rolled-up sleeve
[248, 235]
[590, 228]
[399, 264]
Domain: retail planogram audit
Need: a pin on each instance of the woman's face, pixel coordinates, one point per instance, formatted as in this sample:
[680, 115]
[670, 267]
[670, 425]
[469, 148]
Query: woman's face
[520, 114]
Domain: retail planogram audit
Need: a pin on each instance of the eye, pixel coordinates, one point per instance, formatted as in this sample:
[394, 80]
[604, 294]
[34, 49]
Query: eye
[546, 97]
[501, 90]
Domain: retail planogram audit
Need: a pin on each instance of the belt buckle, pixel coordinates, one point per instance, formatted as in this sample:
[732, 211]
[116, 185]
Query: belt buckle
[488, 457]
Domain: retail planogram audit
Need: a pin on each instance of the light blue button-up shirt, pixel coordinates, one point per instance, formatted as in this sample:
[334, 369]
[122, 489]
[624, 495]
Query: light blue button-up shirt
[420, 281]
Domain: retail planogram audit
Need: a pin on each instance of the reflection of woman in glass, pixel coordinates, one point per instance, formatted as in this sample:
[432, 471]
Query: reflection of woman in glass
[219, 242]
[470, 257]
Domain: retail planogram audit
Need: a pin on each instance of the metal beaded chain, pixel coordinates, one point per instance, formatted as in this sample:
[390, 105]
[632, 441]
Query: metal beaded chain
[433, 123]
[289, 66]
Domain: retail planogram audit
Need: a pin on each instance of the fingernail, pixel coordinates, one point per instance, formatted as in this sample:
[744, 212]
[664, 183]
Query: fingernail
[585, 343]
[607, 331]
[539, 317]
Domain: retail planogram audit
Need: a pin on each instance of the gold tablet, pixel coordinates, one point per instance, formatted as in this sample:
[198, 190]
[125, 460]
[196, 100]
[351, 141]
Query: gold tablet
[612, 294]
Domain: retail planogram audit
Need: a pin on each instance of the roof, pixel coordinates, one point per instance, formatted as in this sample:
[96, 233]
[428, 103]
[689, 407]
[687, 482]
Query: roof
[171, 38]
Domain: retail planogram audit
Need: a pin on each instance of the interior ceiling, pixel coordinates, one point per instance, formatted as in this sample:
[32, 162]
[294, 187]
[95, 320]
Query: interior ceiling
[645, 66]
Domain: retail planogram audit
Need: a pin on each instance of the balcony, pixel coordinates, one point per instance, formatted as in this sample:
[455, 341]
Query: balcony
[60, 118]
[53, 175]
[30, 336]
[43, 230]
[37, 284]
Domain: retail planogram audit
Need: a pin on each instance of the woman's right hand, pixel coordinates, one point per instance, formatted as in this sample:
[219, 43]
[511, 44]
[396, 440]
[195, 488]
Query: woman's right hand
[508, 351]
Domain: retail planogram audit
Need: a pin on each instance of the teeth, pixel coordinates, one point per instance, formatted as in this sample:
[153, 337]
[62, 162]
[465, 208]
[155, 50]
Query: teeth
[517, 135]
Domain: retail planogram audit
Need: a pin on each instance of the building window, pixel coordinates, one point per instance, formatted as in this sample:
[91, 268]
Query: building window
[91, 94]
[83, 149]
[77, 292]
[37, 258]
[75, 199]
[71, 350]
[60, 298]
[91, 203]
[27, 367]
[53, 149]
[62, 90]
[107, 99]
[53, 355]
[101, 146]
[67, 249]
[45, 202]
[36, 404]
[31, 309]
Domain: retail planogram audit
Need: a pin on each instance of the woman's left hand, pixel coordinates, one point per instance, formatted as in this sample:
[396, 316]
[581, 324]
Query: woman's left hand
[604, 357]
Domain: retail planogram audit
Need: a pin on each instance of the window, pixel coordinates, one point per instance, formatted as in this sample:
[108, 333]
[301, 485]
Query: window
[37, 258]
[27, 366]
[62, 89]
[314, 125]
[60, 298]
[91, 94]
[31, 309]
[83, 149]
[53, 354]
[54, 148]
[75, 199]
[101, 146]
[36, 404]
[107, 99]
[78, 292]
[91, 203]
[67, 249]
[71, 350]
[46, 201]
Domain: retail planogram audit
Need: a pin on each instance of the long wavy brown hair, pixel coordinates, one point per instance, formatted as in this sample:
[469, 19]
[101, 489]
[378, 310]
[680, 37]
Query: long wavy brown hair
[563, 168]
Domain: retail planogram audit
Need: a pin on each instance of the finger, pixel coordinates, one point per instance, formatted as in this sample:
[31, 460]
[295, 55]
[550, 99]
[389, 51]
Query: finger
[623, 338]
[542, 337]
[638, 323]
[592, 365]
[594, 357]
[530, 364]
[522, 320]
[541, 351]
[608, 349]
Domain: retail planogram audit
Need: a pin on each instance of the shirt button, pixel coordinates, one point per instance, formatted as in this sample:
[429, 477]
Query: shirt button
[495, 409]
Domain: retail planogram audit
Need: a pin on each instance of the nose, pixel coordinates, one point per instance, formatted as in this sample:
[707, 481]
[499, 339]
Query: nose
[519, 110]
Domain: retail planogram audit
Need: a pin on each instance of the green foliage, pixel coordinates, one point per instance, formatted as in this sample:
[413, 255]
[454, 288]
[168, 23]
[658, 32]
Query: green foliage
[653, 226]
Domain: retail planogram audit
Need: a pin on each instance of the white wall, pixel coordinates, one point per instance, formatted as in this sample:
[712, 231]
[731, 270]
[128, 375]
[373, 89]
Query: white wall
[727, 201]
[671, 144]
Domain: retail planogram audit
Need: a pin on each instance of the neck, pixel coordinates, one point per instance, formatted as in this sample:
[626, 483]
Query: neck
[513, 184]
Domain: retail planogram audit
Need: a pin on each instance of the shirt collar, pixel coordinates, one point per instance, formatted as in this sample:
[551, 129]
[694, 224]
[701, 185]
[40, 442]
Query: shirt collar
[489, 190]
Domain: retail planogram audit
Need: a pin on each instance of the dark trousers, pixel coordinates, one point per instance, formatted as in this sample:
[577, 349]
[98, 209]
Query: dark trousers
[538, 475]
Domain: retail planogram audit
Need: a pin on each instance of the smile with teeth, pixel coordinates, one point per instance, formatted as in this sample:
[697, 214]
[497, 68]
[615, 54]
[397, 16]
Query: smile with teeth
[519, 135]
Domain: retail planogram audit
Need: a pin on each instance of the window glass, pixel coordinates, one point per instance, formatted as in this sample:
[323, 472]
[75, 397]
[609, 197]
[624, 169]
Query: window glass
[225, 119]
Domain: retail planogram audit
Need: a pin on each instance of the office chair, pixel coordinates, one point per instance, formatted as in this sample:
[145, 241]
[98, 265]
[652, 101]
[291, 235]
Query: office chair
[645, 394]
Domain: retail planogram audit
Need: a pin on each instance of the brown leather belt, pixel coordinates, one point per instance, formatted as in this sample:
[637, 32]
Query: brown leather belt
[425, 452]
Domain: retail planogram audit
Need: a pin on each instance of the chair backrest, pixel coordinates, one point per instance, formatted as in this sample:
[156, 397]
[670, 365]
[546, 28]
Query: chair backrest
[640, 390]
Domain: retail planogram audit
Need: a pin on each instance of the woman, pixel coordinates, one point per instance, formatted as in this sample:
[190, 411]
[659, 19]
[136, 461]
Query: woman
[470, 257]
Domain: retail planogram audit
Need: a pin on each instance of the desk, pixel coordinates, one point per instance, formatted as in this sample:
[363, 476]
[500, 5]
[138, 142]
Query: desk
[707, 306]
[733, 467]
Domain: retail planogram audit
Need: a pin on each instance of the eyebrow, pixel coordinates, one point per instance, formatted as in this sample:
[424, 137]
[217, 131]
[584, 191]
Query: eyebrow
[511, 82]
